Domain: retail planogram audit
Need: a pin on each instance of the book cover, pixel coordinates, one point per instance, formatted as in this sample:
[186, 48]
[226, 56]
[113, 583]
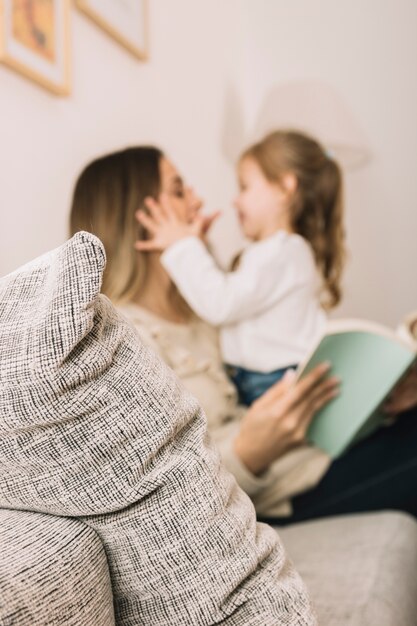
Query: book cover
[369, 359]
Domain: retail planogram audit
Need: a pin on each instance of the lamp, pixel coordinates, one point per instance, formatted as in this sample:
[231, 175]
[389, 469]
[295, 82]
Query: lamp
[315, 108]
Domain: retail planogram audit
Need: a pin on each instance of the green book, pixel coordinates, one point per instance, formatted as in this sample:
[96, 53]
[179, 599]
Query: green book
[370, 360]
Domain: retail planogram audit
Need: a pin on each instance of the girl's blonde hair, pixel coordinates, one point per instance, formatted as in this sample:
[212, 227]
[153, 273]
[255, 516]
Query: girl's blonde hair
[317, 202]
[106, 197]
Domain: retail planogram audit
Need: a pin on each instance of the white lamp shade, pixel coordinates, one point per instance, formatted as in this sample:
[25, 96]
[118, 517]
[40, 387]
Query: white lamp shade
[317, 109]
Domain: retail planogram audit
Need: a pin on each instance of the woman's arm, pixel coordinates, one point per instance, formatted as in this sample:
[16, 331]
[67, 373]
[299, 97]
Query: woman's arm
[275, 425]
[278, 420]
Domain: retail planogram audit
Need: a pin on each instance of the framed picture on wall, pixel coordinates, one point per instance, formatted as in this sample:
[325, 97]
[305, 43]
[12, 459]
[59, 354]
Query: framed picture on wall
[34, 40]
[124, 20]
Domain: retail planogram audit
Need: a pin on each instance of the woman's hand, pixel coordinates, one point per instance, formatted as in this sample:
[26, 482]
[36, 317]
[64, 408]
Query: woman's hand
[279, 419]
[404, 396]
[166, 228]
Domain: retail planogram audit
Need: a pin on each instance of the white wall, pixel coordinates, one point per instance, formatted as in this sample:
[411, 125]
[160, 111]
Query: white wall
[212, 62]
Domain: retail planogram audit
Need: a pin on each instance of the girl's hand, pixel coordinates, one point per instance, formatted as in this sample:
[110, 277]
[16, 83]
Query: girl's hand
[207, 222]
[404, 396]
[279, 419]
[164, 226]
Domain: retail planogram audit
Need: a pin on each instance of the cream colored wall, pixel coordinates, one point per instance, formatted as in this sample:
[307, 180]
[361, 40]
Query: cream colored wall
[211, 65]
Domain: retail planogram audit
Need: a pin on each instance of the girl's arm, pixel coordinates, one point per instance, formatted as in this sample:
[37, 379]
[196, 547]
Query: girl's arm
[226, 297]
[216, 296]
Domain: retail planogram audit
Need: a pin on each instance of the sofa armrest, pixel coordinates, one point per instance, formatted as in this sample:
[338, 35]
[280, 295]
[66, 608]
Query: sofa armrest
[53, 570]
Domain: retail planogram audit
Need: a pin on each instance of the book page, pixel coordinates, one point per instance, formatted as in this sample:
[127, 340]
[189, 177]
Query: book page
[407, 330]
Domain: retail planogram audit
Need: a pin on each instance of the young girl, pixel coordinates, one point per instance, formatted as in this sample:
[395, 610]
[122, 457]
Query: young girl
[271, 308]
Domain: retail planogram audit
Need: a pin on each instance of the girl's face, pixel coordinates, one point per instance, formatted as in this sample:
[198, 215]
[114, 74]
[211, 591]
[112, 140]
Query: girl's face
[262, 206]
[183, 200]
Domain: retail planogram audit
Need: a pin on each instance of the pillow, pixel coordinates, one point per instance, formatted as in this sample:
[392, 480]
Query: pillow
[94, 425]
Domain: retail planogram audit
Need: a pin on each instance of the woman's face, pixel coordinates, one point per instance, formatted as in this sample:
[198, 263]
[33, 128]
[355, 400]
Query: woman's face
[183, 200]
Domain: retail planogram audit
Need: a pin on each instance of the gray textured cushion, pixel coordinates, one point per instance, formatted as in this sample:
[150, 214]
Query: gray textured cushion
[361, 569]
[52, 571]
[94, 425]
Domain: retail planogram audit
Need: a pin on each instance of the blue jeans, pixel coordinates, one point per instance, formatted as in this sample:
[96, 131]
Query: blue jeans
[251, 385]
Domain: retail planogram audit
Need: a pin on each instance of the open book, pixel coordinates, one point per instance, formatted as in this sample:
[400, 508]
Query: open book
[370, 360]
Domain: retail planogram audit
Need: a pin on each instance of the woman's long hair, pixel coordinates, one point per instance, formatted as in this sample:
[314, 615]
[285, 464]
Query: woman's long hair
[317, 203]
[106, 197]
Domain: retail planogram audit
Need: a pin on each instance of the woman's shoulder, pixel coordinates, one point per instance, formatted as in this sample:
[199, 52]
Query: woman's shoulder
[143, 318]
[144, 323]
[170, 338]
[136, 314]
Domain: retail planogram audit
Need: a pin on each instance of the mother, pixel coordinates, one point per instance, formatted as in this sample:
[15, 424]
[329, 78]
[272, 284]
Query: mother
[264, 447]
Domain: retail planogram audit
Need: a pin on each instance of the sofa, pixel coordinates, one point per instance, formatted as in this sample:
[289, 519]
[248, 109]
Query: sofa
[361, 570]
[98, 432]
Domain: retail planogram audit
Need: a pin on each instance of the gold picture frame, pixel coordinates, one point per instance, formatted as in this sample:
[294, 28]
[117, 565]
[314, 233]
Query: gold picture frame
[124, 20]
[35, 41]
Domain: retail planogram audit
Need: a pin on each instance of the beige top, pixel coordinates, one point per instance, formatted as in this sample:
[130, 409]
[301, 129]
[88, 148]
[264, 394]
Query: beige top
[192, 351]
